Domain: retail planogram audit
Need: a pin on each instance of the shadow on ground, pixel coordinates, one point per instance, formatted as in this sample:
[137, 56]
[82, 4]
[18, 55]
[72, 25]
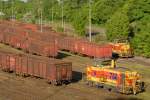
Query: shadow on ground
[93, 34]
[62, 55]
[77, 76]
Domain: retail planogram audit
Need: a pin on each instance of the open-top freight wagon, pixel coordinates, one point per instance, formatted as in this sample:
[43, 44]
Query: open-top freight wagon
[28, 41]
[68, 43]
[53, 70]
[27, 26]
[85, 47]
[118, 79]
[49, 49]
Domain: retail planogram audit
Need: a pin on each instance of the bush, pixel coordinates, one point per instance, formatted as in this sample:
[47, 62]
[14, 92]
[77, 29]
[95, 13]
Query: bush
[118, 25]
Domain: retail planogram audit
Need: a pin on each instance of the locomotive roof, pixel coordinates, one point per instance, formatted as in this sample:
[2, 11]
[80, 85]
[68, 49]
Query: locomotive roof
[122, 69]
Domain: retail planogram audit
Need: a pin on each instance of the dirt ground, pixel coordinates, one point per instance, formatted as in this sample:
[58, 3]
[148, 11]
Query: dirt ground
[14, 87]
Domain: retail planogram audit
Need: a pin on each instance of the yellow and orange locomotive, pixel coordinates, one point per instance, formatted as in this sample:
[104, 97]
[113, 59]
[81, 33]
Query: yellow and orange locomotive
[114, 78]
[122, 48]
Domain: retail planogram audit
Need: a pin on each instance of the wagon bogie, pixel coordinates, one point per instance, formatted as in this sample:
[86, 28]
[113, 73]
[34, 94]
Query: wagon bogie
[25, 75]
[5, 69]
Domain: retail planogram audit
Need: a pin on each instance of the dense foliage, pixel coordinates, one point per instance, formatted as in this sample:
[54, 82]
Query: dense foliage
[139, 15]
[118, 25]
[121, 18]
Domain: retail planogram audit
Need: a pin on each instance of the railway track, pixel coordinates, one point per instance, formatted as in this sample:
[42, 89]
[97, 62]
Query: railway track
[136, 60]
[16, 94]
[142, 61]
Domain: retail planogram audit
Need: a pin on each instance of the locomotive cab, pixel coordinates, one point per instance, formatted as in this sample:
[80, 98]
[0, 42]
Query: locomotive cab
[133, 83]
[122, 47]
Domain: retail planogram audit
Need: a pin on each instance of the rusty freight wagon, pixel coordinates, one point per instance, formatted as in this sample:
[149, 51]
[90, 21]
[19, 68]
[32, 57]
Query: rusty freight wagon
[48, 49]
[32, 42]
[84, 47]
[25, 33]
[74, 45]
[53, 70]
[118, 79]
[79, 46]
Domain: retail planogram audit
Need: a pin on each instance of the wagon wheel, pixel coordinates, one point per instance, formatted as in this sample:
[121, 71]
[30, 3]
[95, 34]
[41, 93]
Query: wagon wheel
[54, 83]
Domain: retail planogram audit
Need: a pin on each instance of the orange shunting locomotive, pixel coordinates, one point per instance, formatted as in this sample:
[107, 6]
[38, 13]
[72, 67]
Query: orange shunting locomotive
[114, 78]
[122, 48]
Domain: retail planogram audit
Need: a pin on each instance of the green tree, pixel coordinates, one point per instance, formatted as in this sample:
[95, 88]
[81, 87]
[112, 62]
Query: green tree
[139, 15]
[141, 41]
[79, 21]
[138, 9]
[104, 9]
[118, 25]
